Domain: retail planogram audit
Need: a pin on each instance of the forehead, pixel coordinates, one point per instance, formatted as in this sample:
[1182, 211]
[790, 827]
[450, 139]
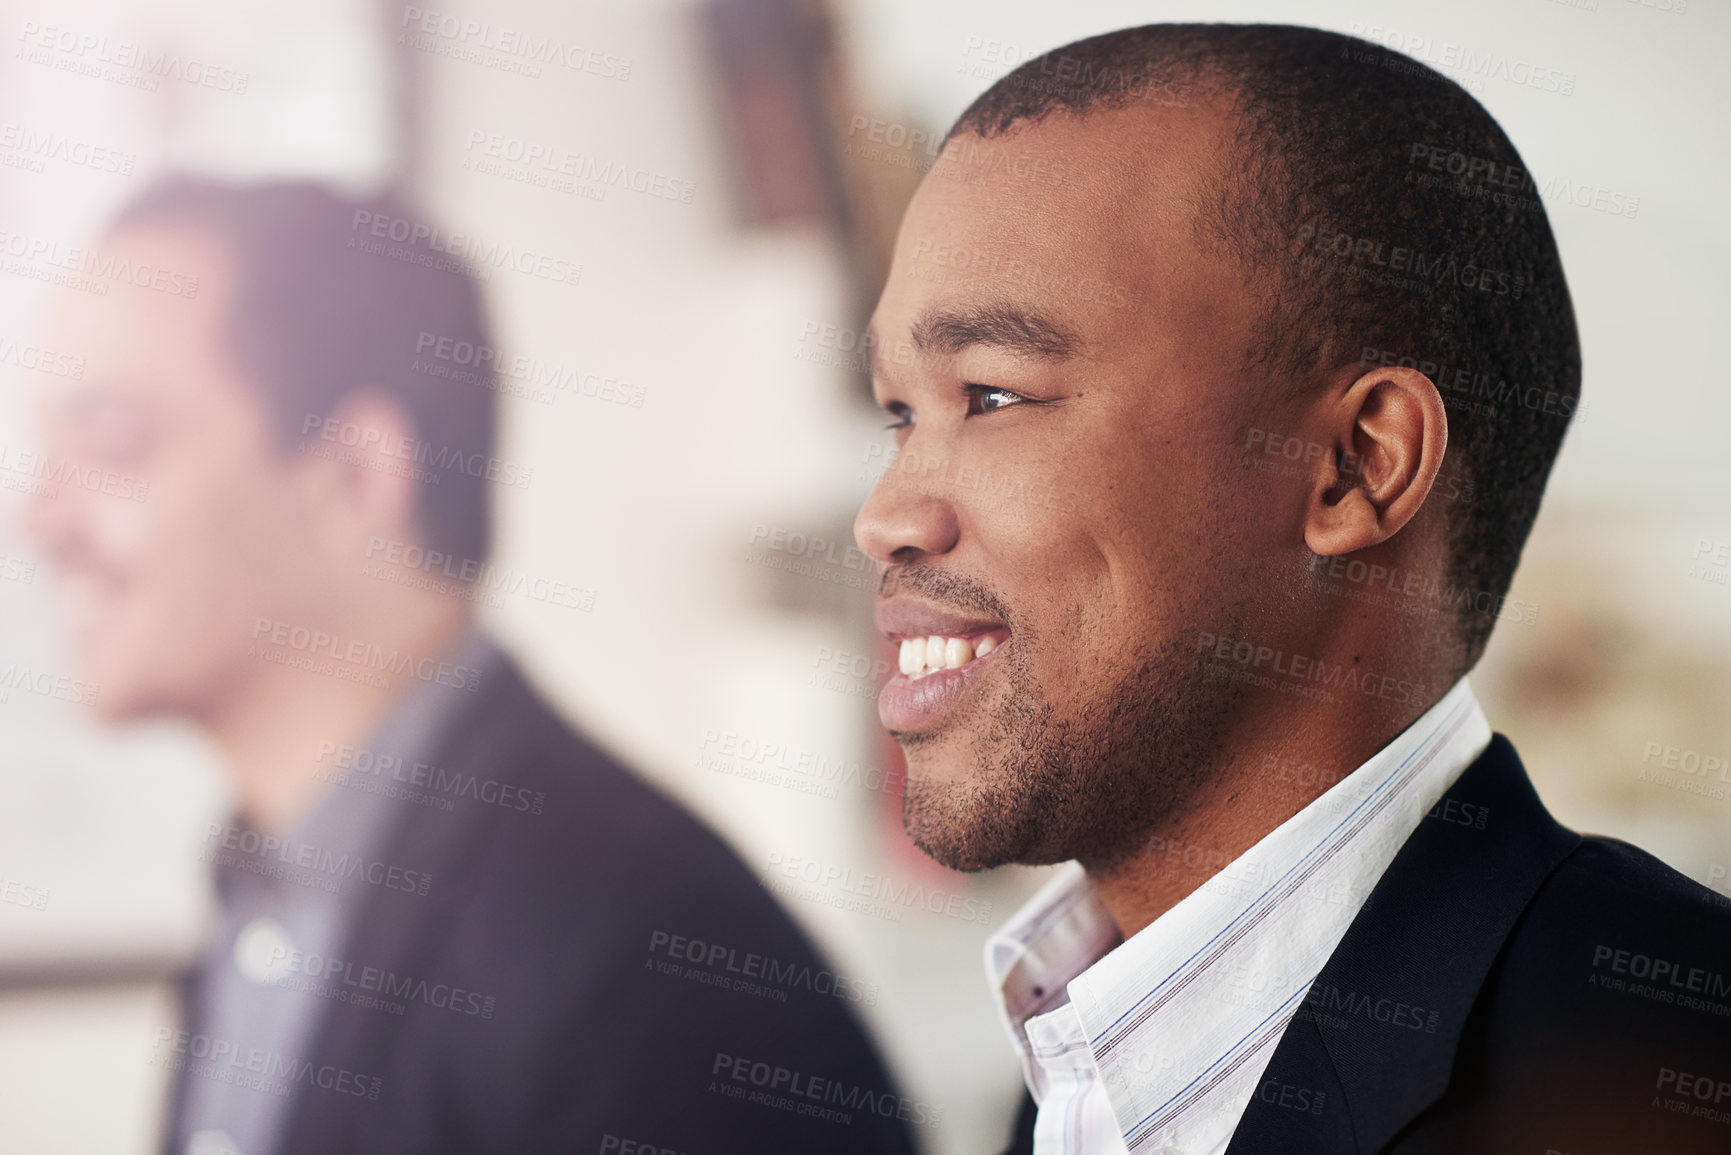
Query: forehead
[1088, 220]
[154, 275]
[157, 332]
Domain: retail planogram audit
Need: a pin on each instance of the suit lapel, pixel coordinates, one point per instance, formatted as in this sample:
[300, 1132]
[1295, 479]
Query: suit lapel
[1379, 1029]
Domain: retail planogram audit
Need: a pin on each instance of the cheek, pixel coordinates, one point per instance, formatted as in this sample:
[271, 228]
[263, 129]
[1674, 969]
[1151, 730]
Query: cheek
[197, 553]
[1100, 597]
[1064, 595]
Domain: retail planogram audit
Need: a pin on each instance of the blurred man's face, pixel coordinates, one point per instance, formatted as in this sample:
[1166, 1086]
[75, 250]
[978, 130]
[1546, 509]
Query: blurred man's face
[1064, 355]
[162, 592]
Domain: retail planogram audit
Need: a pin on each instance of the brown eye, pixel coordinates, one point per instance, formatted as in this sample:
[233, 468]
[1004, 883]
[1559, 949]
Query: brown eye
[903, 414]
[986, 398]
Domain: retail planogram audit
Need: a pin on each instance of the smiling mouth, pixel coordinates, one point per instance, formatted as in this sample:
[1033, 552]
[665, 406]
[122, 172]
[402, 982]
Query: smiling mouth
[922, 657]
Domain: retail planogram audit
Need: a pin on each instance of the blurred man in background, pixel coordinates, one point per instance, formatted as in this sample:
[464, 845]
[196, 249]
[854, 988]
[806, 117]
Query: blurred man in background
[445, 922]
[1228, 368]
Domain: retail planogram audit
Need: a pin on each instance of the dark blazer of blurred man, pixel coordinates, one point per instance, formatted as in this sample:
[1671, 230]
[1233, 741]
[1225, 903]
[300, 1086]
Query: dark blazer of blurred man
[1227, 366]
[446, 922]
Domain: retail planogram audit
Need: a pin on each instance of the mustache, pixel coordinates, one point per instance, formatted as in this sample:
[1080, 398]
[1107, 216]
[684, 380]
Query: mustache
[944, 586]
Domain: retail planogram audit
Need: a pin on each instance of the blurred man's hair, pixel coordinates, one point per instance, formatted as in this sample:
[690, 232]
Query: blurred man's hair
[315, 317]
[1330, 172]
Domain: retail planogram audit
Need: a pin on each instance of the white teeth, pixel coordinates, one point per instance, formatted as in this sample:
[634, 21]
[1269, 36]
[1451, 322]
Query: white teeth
[922, 656]
[913, 656]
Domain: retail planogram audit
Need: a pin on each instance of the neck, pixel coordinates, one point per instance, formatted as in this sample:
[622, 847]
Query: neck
[1273, 769]
[277, 727]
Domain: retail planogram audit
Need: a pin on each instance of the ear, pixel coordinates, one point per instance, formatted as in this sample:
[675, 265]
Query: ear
[1390, 432]
[360, 476]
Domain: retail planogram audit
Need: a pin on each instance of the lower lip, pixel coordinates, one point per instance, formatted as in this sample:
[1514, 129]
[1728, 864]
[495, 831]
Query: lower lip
[907, 705]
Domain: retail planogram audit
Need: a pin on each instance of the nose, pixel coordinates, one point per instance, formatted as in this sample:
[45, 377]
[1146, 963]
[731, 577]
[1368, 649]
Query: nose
[906, 517]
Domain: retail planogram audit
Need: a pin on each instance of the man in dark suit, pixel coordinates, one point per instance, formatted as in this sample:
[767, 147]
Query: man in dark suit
[1227, 365]
[445, 922]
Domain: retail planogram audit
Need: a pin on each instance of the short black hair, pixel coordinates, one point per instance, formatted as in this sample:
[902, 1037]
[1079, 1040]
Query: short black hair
[319, 311]
[1382, 216]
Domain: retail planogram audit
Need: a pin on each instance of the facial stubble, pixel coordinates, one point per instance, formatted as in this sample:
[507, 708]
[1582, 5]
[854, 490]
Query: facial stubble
[1047, 784]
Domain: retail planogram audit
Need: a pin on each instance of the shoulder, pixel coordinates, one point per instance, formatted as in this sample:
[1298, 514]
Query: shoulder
[1618, 956]
[1613, 862]
[590, 845]
[1610, 887]
[632, 952]
[1620, 920]
[1608, 1004]
[610, 902]
[592, 817]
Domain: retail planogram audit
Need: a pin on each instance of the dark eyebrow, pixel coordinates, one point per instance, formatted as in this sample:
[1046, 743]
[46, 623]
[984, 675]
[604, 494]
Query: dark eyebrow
[949, 331]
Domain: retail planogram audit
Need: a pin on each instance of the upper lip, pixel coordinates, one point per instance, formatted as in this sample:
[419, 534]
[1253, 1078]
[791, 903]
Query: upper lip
[901, 617]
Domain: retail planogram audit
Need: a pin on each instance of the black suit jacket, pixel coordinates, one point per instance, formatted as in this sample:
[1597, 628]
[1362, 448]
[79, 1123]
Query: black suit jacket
[565, 921]
[1581, 992]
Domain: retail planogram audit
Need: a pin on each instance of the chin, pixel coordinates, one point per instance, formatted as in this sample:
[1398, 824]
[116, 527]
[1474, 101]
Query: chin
[952, 752]
[131, 692]
[112, 712]
[119, 699]
[961, 822]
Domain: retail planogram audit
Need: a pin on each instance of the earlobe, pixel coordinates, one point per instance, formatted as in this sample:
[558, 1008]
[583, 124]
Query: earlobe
[1392, 432]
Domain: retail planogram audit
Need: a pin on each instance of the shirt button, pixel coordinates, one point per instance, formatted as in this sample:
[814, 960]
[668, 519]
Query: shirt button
[262, 951]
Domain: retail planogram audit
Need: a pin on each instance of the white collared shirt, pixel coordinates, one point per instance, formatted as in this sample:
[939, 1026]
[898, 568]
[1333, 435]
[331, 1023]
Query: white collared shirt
[1157, 1044]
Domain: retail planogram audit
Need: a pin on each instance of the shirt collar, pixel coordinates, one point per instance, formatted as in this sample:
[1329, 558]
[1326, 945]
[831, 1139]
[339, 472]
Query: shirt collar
[1062, 946]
